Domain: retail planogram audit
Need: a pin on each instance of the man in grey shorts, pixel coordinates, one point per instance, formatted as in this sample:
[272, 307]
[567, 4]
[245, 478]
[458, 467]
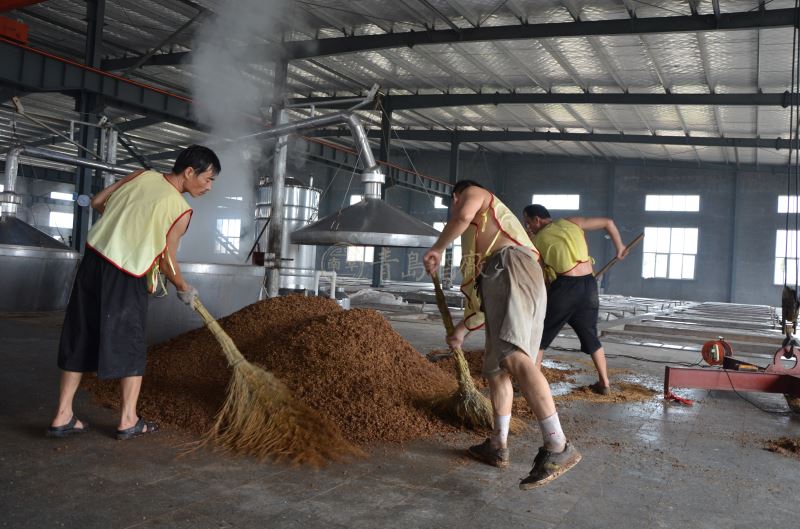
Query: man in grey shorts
[505, 292]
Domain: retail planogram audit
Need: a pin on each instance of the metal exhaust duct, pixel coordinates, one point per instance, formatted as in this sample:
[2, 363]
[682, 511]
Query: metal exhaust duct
[371, 222]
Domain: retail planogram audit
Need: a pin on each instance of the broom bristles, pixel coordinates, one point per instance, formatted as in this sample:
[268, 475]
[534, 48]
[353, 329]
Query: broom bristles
[466, 406]
[261, 418]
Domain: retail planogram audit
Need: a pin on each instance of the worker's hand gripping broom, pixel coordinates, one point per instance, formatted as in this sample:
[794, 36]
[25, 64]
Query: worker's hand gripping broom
[261, 418]
[466, 405]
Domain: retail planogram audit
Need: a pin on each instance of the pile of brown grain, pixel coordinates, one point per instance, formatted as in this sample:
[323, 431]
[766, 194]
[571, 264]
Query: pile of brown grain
[351, 366]
[785, 446]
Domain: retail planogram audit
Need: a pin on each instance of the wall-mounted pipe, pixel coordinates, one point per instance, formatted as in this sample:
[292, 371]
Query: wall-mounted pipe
[9, 200]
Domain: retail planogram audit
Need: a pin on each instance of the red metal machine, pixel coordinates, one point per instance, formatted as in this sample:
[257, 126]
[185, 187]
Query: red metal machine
[737, 375]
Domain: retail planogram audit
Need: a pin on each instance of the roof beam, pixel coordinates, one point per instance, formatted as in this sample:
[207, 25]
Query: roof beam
[464, 100]
[28, 69]
[773, 18]
[470, 136]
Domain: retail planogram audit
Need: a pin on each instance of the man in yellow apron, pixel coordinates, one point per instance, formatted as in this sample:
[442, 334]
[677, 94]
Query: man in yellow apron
[505, 292]
[572, 289]
[144, 216]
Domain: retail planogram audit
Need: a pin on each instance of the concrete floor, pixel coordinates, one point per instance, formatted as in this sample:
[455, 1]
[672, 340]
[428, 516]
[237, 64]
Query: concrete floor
[646, 465]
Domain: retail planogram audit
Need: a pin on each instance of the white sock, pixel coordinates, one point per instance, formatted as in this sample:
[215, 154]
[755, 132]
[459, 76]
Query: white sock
[500, 432]
[552, 434]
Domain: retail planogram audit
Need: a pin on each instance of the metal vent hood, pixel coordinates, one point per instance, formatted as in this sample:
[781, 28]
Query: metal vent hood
[371, 222]
[16, 232]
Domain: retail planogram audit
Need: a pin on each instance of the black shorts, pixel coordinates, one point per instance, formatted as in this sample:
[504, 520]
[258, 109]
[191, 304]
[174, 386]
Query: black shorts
[104, 327]
[573, 301]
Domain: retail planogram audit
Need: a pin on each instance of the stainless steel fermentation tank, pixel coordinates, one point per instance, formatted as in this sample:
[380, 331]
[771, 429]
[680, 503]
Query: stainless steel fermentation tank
[36, 271]
[301, 207]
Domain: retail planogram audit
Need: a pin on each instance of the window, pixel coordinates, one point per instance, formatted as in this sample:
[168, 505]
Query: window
[672, 203]
[438, 204]
[558, 201]
[56, 195]
[787, 204]
[359, 254]
[2, 188]
[59, 219]
[439, 226]
[669, 253]
[229, 232]
[786, 256]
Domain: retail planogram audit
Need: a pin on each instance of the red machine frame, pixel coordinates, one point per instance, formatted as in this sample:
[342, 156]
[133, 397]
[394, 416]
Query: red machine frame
[773, 379]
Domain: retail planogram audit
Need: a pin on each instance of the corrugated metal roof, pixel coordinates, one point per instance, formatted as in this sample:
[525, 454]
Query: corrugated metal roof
[726, 62]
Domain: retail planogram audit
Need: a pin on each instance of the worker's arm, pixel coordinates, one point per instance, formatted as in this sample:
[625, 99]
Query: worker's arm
[460, 332]
[602, 223]
[100, 199]
[462, 214]
[173, 273]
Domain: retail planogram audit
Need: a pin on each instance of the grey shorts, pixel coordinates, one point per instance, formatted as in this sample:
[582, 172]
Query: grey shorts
[514, 299]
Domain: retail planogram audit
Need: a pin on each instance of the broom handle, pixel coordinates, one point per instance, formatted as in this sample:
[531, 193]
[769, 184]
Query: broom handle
[614, 261]
[441, 302]
[462, 368]
[232, 353]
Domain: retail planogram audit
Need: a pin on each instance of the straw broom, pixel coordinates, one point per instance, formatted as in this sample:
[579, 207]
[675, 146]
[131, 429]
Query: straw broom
[261, 418]
[466, 405]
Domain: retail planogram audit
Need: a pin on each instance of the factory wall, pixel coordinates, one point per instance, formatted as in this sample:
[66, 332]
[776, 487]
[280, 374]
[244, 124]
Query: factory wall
[736, 224]
[737, 221]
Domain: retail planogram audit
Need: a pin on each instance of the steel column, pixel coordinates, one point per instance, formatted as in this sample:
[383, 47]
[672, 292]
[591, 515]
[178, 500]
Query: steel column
[447, 279]
[279, 117]
[383, 155]
[88, 105]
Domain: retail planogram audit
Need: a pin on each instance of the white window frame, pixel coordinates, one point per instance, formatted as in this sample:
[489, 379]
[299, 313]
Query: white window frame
[61, 220]
[359, 254]
[684, 203]
[787, 204]
[784, 258]
[563, 202]
[227, 227]
[59, 195]
[670, 253]
[456, 245]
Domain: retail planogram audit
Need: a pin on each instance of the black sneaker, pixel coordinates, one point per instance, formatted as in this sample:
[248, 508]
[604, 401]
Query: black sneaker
[548, 465]
[497, 457]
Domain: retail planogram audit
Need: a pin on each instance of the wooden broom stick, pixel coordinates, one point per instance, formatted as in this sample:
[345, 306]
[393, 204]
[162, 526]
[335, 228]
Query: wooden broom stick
[614, 261]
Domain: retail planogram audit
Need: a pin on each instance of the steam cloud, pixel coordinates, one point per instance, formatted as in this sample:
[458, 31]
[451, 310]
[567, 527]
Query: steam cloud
[230, 57]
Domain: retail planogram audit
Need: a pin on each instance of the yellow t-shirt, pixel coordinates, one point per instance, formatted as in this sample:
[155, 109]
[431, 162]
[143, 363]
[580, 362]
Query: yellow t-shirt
[562, 245]
[472, 262]
[132, 233]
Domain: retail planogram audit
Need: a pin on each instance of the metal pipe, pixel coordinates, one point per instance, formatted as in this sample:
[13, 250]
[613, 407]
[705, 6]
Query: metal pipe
[9, 200]
[276, 213]
[360, 137]
[314, 122]
[372, 177]
[35, 152]
[12, 170]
